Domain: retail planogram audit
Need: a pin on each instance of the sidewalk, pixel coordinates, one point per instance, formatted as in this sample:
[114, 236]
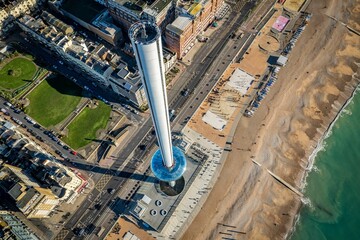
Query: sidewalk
[210, 33]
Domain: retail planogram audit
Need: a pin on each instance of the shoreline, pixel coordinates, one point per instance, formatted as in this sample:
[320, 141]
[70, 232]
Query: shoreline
[319, 147]
[286, 133]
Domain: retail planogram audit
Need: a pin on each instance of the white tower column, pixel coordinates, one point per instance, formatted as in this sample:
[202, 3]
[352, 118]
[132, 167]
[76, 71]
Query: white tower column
[146, 41]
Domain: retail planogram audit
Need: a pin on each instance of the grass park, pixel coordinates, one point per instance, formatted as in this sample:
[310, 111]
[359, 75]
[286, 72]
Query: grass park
[82, 130]
[53, 100]
[16, 73]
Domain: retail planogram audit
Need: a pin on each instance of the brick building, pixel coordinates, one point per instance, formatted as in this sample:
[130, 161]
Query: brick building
[191, 20]
[127, 12]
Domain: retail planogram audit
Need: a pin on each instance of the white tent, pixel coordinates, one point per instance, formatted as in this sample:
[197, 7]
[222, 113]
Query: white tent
[214, 120]
[240, 81]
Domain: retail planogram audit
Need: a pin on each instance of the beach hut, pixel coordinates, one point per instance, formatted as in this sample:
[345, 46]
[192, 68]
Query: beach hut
[281, 60]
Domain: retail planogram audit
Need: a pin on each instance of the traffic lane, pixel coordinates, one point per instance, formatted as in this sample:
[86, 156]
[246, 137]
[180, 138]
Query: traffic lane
[112, 182]
[105, 198]
[73, 221]
[132, 145]
[106, 220]
[208, 63]
[79, 215]
[196, 101]
[107, 214]
[204, 68]
[200, 94]
[192, 72]
[56, 63]
[198, 76]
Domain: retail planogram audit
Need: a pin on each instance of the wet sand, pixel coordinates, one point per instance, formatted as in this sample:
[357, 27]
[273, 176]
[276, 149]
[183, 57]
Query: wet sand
[284, 131]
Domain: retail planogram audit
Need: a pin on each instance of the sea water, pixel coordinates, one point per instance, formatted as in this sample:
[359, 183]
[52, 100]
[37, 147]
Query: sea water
[333, 190]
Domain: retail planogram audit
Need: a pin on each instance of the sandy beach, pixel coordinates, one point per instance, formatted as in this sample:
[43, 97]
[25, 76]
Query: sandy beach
[321, 74]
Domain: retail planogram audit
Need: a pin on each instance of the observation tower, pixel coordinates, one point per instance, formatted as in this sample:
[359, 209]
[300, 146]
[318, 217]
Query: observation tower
[168, 163]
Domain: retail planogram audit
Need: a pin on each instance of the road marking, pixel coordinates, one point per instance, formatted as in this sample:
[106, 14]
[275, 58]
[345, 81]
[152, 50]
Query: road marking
[102, 182]
[62, 234]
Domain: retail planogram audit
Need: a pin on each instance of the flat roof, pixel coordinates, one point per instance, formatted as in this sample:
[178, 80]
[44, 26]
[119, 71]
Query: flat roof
[136, 6]
[282, 60]
[161, 206]
[15, 191]
[179, 24]
[159, 5]
[195, 9]
[280, 23]
[30, 193]
[86, 10]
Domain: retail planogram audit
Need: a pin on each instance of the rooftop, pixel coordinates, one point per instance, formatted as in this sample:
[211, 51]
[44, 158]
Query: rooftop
[103, 22]
[18, 228]
[15, 191]
[136, 6]
[159, 5]
[155, 208]
[86, 10]
[29, 195]
[195, 9]
[179, 25]
[49, 18]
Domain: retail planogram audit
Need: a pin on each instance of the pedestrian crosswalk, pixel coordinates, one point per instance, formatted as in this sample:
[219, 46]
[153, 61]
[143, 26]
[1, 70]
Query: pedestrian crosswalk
[102, 182]
[61, 235]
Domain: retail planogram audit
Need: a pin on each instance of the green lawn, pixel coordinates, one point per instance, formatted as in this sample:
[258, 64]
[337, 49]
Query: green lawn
[16, 73]
[53, 100]
[82, 130]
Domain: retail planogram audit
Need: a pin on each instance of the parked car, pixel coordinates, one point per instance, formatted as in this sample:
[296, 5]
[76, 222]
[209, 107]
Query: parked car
[134, 111]
[8, 104]
[3, 110]
[29, 120]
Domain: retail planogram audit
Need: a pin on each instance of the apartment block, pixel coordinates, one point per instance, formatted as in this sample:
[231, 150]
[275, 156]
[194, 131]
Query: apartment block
[127, 12]
[36, 168]
[13, 228]
[31, 199]
[91, 16]
[192, 19]
[10, 10]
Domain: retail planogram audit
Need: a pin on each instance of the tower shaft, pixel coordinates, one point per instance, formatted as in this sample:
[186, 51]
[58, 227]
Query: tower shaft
[146, 41]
